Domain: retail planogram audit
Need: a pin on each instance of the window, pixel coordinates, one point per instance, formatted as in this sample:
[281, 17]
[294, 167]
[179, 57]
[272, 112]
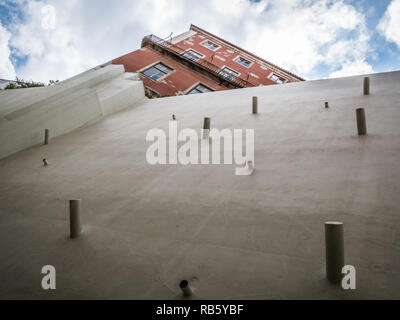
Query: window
[208, 44]
[199, 89]
[277, 79]
[243, 62]
[157, 71]
[193, 55]
[228, 73]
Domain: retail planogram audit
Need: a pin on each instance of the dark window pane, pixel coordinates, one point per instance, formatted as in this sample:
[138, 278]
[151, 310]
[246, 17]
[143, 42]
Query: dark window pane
[228, 73]
[157, 75]
[192, 55]
[163, 68]
[157, 71]
[277, 79]
[243, 62]
[202, 88]
[210, 45]
[150, 71]
[199, 89]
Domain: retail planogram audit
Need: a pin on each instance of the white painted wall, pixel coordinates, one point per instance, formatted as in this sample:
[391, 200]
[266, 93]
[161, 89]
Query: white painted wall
[183, 36]
[62, 108]
[147, 227]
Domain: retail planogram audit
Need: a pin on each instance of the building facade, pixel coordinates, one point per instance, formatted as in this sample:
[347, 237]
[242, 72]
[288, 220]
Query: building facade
[196, 62]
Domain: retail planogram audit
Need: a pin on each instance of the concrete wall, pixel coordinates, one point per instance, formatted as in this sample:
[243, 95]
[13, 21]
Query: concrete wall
[73, 103]
[147, 227]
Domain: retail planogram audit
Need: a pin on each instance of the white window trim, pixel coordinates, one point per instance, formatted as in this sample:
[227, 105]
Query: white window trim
[231, 69]
[273, 73]
[196, 84]
[202, 55]
[152, 65]
[208, 40]
[237, 57]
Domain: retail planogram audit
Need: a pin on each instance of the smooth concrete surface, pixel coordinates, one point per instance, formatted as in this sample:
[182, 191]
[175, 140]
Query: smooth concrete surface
[252, 237]
[64, 107]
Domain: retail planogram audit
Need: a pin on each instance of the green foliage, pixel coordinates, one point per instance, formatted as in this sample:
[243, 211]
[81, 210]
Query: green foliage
[21, 84]
[11, 85]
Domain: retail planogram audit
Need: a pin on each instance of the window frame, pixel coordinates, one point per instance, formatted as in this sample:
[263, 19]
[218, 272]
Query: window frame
[207, 40]
[240, 57]
[279, 77]
[200, 54]
[142, 72]
[225, 67]
[191, 89]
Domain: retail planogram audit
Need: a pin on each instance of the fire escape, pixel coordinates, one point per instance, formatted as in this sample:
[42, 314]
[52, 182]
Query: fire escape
[200, 65]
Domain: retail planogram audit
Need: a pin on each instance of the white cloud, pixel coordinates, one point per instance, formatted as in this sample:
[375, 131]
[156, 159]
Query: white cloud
[301, 37]
[294, 34]
[6, 67]
[353, 68]
[389, 25]
[52, 53]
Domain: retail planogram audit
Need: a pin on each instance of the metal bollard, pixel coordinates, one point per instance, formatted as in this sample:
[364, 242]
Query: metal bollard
[334, 247]
[366, 86]
[74, 218]
[46, 136]
[361, 123]
[255, 105]
[206, 128]
[185, 287]
[326, 105]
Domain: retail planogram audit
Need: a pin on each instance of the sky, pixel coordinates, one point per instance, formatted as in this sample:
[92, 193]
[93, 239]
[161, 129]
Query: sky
[44, 40]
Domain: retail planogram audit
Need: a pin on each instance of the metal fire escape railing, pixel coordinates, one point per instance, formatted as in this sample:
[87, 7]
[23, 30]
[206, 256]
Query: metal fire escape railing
[206, 65]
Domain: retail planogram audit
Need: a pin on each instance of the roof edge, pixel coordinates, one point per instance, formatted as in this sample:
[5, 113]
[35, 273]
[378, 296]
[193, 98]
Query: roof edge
[196, 28]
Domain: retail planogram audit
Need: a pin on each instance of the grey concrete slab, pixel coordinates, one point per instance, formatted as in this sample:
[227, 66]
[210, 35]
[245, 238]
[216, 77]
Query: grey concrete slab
[252, 237]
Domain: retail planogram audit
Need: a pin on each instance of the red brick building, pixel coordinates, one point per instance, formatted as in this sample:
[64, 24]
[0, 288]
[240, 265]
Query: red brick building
[198, 61]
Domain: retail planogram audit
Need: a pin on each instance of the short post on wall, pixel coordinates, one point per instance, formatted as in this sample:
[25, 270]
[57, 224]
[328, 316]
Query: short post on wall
[206, 128]
[75, 218]
[186, 289]
[361, 122]
[46, 136]
[366, 86]
[334, 250]
[255, 105]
